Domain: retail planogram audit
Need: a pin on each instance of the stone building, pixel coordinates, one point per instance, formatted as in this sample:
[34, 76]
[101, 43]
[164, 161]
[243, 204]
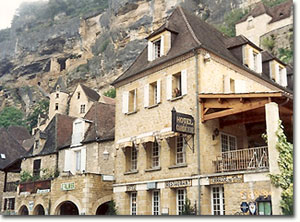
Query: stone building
[190, 112]
[262, 20]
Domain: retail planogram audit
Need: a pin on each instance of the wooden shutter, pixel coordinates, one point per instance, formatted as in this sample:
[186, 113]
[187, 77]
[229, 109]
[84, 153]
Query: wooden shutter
[240, 86]
[158, 85]
[83, 159]
[68, 160]
[259, 63]
[125, 102]
[135, 100]
[277, 77]
[283, 77]
[150, 51]
[146, 95]
[162, 45]
[169, 87]
[184, 82]
[226, 84]
[250, 58]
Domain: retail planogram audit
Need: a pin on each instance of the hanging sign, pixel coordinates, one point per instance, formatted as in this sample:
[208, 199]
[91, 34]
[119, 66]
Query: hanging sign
[252, 208]
[244, 207]
[182, 123]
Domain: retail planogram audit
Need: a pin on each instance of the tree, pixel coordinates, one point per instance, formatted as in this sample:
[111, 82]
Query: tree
[188, 209]
[110, 93]
[11, 116]
[112, 209]
[40, 108]
[285, 179]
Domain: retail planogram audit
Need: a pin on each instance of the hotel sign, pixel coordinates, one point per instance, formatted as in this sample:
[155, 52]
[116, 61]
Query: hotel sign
[130, 188]
[67, 186]
[178, 183]
[227, 179]
[182, 123]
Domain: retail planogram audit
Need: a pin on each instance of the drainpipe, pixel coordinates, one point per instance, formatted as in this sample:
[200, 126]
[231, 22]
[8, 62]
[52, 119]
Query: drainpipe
[197, 129]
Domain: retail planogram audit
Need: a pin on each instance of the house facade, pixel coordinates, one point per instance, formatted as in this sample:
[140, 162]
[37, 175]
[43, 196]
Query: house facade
[187, 124]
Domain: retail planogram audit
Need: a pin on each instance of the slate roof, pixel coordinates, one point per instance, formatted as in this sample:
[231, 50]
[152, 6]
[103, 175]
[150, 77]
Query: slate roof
[9, 145]
[277, 12]
[103, 122]
[108, 100]
[267, 56]
[238, 41]
[90, 93]
[62, 86]
[19, 133]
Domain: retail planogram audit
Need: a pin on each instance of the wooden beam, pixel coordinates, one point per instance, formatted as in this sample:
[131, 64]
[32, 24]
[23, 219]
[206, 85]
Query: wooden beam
[235, 110]
[245, 120]
[244, 95]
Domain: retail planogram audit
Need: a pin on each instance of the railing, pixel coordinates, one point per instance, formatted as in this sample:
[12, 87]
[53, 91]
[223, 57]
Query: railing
[243, 159]
[11, 186]
[33, 187]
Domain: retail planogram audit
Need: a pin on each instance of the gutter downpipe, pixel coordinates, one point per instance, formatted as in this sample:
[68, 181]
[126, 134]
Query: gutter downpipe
[197, 129]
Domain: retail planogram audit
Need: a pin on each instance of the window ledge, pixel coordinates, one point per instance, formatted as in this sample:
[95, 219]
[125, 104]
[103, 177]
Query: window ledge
[131, 172]
[176, 98]
[153, 169]
[132, 112]
[178, 166]
[152, 106]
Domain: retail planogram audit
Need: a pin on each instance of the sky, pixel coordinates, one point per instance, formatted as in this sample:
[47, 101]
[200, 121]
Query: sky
[7, 11]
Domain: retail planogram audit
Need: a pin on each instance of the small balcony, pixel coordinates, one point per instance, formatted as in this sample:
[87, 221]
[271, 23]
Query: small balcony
[40, 186]
[243, 160]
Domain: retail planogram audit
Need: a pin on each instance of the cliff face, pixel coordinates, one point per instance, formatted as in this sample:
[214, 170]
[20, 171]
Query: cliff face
[94, 49]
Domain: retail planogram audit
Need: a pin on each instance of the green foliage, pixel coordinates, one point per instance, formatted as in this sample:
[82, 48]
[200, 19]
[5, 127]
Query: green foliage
[269, 43]
[188, 209]
[25, 176]
[286, 55]
[40, 108]
[271, 3]
[231, 18]
[110, 93]
[11, 116]
[285, 179]
[112, 209]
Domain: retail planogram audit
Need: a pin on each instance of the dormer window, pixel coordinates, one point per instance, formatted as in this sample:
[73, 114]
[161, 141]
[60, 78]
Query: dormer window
[250, 22]
[57, 88]
[78, 132]
[57, 95]
[157, 48]
[252, 58]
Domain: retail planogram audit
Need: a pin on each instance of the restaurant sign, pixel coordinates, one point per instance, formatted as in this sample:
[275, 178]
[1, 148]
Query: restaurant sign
[182, 123]
[227, 179]
[67, 186]
[178, 183]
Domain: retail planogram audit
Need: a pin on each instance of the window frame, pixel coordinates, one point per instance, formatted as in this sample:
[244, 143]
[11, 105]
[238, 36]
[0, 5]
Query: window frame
[157, 44]
[56, 106]
[264, 202]
[220, 200]
[156, 202]
[82, 108]
[77, 160]
[181, 151]
[133, 203]
[133, 158]
[179, 205]
[228, 142]
[155, 155]
[37, 167]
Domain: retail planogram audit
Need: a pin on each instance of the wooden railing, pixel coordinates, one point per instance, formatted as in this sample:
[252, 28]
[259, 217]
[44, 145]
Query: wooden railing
[32, 187]
[243, 159]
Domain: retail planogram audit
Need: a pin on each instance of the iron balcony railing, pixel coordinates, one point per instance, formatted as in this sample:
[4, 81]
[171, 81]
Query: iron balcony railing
[243, 159]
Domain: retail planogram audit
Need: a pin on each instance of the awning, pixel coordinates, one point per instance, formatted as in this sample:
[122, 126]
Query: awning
[125, 144]
[145, 139]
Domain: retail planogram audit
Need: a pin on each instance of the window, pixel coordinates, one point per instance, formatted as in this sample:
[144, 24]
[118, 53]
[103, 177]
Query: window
[217, 198]
[228, 142]
[181, 193]
[264, 208]
[78, 160]
[155, 155]
[2, 156]
[255, 58]
[282, 76]
[155, 202]
[36, 168]
[9, 203]
[176, 85]
[82, 108]
[133, 204]
[57, 95]
[56, 106]
[132, 101]
[78, 95]
[152, 93]
[157, 49]
[133, 159]
[78, 132]
[250, 24]
[37, 144]
[180, 150]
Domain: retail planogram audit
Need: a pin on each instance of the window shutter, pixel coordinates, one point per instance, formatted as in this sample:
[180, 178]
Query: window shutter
[169, 87]
[277, 77]
[240, 86]
[162, 45]
[259, 63]
[83, 159]
[284, 78]
[184, 82]
[125, 102]
[68, 160]
[150, 51]
[135, 100]
[158, 90]
[272, 71]
[226, 84]
[146, 95]
[250, 58]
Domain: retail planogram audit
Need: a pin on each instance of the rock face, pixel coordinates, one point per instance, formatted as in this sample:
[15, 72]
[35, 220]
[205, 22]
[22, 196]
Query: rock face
[94, 49]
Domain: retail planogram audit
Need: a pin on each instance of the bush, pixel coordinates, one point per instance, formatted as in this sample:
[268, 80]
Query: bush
[110, 93]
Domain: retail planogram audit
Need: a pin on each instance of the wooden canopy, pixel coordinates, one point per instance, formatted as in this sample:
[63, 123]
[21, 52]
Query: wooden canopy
[220, 105]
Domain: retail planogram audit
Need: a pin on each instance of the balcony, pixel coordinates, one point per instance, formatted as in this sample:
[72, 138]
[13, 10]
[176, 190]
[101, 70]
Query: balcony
[35, 187]
[242, 160]
[11, 186]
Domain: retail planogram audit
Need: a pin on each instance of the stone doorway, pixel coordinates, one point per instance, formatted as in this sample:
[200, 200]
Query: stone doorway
[39, 210]
[103, 209]
[23, 210]
[68, 208]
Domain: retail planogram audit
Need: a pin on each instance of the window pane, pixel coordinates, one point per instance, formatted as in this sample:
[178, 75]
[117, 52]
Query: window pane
[267, 208]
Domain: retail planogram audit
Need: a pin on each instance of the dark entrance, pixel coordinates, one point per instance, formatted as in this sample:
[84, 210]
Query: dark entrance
[68, 208]
[23, 210]
[39, 210]
[103, 209]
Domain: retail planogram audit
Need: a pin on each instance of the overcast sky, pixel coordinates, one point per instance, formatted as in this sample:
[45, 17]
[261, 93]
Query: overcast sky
[7, 11]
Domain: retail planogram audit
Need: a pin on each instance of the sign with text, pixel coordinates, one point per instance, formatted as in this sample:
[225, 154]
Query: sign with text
[67, 186]
[227, 179]
[182, 123]
[130, 188]
[178, 183]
